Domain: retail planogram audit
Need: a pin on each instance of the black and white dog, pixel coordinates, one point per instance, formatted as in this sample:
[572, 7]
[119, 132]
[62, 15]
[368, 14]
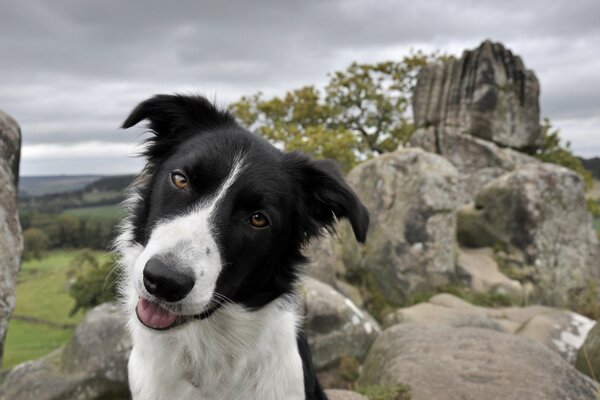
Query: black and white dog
[211, 256]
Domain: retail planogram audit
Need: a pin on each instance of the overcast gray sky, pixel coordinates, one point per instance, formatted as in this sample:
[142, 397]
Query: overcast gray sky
[71, 70]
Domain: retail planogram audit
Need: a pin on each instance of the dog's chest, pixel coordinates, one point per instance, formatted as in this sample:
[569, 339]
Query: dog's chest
[215, 367]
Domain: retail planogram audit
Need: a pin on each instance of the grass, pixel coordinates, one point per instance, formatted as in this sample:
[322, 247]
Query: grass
[97, 212]
[41, 293]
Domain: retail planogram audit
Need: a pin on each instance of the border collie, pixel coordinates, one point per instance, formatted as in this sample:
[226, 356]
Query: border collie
[211, 256]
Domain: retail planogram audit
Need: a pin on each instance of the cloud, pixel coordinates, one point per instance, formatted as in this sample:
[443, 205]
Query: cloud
[72, 70]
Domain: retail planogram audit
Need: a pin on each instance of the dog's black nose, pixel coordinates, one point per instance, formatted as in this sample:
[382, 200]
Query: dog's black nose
[164, 282]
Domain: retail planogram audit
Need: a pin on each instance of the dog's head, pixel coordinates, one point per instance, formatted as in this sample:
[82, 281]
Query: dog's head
[223, 215]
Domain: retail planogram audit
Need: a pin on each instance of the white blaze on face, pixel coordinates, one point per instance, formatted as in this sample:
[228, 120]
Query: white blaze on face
[188, 240]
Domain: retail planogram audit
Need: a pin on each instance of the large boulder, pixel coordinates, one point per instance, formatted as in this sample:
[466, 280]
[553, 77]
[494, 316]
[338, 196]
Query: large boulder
[561, 330]
[334, 325]
[11, 242]
[478, 161]
[92, 366]
[440, 362]
[539, 210]
[412, 196]
[487, 93]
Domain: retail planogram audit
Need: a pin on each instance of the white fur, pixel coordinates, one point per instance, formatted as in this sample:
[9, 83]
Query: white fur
[235, 354]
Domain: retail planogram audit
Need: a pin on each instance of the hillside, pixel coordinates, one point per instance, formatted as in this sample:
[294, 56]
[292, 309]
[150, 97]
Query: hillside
[31, 186]
[592, 164]
[77, 192]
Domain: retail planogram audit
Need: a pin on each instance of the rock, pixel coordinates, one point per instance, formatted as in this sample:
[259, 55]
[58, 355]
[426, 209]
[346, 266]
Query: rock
[440, 362]
[334, 394]
[541, 211]
[11, 241]
[412, 196]
[561, 331]
[487, 93]
[477, 161]
[93, 365]
[588, 356]
[481, 272]
[324, 260]
[335, 327]
[432, 314]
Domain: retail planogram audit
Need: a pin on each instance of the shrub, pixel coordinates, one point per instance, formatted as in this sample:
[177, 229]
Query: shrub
[92, 283]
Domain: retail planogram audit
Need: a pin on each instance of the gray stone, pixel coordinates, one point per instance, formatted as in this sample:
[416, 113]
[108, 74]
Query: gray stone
[11, 241]
[325, 264]
[334, 394]
[478, 161]
[334, 325]
[445, 363]
[562, 331]
[487, 93]
[92, 366]
[541, 211]
[412, 196]
[482, 274]
[432, 314]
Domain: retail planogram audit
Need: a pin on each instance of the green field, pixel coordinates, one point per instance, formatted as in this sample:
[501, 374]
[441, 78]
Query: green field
[42, 293]
[597, 224]
[99, 212]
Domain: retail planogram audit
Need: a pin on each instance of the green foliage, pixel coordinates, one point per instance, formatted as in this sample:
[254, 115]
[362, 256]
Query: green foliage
[361, 112]
[72, 230]
[94, 283]
[36, 243]
[554, 151]
[42, 293]
[390, 392]
[584, 301]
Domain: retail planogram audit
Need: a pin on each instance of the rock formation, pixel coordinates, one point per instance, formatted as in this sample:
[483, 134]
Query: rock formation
[487, 93]
[11, 242]
[541, 211]
[412, 196]
[93, 365]
[440, 362]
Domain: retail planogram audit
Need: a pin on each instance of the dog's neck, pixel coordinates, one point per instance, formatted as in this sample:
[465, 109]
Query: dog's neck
[225, 352]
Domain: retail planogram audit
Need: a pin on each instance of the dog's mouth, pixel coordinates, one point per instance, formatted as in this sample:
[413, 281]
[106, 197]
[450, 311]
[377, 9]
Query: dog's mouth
[152, 315]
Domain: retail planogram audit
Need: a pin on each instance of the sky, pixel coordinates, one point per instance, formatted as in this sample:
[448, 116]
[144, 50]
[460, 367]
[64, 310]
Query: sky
[71, 70]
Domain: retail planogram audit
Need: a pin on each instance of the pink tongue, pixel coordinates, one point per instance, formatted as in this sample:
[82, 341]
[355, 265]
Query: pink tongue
[153, 315]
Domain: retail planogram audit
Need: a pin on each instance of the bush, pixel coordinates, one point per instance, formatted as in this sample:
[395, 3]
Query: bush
[92, 283]
[36, 243]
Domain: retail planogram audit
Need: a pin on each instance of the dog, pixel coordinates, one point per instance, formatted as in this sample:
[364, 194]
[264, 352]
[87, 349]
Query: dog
[210, 253]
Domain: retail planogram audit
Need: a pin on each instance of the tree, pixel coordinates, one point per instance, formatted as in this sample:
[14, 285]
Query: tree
[93, 283]
[361, 112]
[554, 151]
[36, 243]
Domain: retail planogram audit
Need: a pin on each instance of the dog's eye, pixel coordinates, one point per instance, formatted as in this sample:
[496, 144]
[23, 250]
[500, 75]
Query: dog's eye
[179, 180]
[259, 220]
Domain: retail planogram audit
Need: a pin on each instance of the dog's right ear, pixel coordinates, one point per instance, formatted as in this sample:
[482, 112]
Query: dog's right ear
[173, 118]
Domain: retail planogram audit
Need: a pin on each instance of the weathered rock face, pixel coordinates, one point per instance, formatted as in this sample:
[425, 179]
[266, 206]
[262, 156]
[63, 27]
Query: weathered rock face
[561, 330]
[335, 327]
[478, 161]
[11, 242]
[440, 362]
[93, 365]
[487, 93]
[412, 196]
[540, 210]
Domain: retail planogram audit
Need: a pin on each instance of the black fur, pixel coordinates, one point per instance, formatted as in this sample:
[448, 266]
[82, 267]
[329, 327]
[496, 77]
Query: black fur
[300, 196]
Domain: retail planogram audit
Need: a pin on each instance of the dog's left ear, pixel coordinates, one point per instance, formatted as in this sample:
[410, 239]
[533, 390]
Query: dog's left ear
[325, 196]
[173, 118]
